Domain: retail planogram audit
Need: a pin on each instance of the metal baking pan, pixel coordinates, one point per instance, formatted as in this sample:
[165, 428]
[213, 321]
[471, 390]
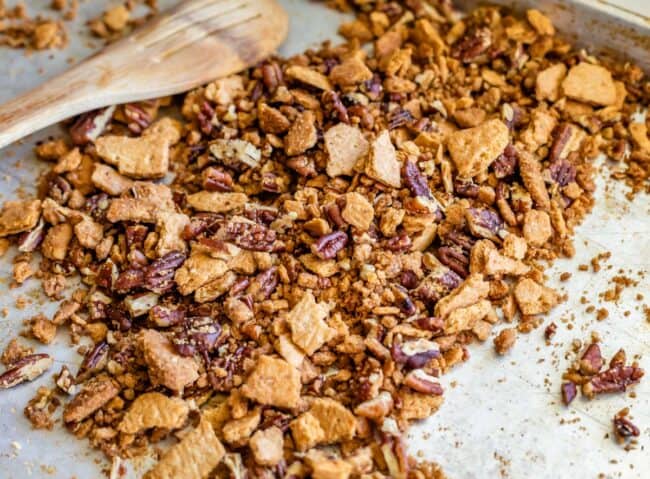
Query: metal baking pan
[502, 417]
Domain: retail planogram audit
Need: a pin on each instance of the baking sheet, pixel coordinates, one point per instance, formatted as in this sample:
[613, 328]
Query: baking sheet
[502, 417]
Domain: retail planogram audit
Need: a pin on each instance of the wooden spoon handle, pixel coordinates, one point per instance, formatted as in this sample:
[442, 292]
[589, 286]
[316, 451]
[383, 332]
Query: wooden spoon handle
[59, 98]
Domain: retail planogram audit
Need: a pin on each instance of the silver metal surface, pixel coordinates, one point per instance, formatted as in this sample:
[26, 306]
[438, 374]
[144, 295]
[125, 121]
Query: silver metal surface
[502, 417]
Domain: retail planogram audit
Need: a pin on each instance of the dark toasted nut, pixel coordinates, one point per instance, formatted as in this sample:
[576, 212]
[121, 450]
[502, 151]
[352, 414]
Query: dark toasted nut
[250, 236]
[624, 428]
[94, 361]
[159, 275]
[415, 180]
[25, 369]
[569, 392]
[612, 380]
[591, 361]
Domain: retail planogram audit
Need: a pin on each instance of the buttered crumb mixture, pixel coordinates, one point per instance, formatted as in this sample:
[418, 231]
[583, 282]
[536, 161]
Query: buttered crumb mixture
[339, 227]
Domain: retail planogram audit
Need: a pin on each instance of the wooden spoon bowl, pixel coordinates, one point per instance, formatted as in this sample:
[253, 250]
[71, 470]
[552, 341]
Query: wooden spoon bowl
[187, 46]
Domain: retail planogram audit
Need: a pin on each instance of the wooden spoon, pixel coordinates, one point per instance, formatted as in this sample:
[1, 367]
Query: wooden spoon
[184, 47]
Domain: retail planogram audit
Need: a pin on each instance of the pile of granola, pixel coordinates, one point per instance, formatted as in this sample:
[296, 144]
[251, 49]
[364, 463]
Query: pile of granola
[281, 279]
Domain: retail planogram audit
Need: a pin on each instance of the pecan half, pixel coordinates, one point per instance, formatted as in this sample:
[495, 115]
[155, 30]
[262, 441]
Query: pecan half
[562, 172]
[415, 180]
[215, 179]
[25, 369]
[624, 428]
[327, 246]
[455, 259]
[159, 275]
[474, 44]
[88, 126]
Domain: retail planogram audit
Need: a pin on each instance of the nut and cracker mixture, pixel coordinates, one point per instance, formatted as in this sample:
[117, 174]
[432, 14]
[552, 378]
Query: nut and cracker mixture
[282, 279]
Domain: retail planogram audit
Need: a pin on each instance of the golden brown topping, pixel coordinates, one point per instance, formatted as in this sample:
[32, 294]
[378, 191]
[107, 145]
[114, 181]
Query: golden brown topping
[154, 410]
[549, 82]
[590, 84]
[382, 164]
[345, 145]
[274, 382]
[267, 446]
[194, 457]
[19, 216]
[94, 395]
[474, 149]
[302, 135]
[165, 365]
[309, 330]
[534, 298]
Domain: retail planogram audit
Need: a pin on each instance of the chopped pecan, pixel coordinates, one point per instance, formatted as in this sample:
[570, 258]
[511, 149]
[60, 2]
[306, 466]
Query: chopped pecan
[591, 361]
[475, 43]
[215, 179]
[159, 275]
[27, 368]
[250, 236]
[415, 180]
[569, 392]
[612, 380]
[506, 163]
[415, 353]
[423, 383]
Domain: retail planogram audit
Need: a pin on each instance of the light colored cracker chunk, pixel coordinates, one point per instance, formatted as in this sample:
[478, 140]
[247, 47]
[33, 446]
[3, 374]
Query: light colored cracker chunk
[237, 431]
[154, 410]
[358, 211]
[382, 164]
[307, 324]
[309, 76]
[89, 233]
[198, 453]
[324, 467]
[170, 228]
[306, 431]
[302, 135]
[19, 216]
[462, 319]
[351, 72]
[272, 120]
[216, 202]
[537, 227]
[148, 202]
[590, 84]
[56, 242]
[416, 406]
[499, 264]
[473, 289]
[198, 270]
[539, 130]
[345, 146]
[336, 421]
[549, 81]
[540, 22]
[515, 246]
[142, 157]
[267, 446]
[639, 133]
[274, 382]
[110, 181]
[92, 397]
[474, 149]
[322, 267]
[165, 366]
[535, 298]
[289, 351]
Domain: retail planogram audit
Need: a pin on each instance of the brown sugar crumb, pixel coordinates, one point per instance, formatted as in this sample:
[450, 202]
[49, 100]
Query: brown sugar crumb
[505, 340]
[14, 351]
[565, 276]
[602, 314]
[42, 329]
[40, 408]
